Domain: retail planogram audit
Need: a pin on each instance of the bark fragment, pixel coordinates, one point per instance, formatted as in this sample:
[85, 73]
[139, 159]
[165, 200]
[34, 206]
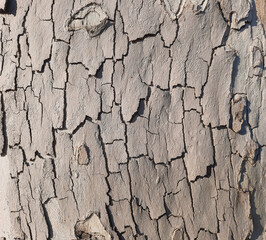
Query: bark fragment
[199, 146]
[238, 107]
[91, 228]
[90, 17]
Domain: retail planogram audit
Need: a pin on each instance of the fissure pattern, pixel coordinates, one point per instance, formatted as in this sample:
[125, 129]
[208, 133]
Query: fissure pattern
[132, 119]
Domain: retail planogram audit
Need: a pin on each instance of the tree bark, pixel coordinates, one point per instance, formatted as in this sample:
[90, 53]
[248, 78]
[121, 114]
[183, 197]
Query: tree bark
[132, 119]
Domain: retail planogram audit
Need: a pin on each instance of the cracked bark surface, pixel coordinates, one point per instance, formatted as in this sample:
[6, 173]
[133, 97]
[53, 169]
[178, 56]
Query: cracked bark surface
[132, 119]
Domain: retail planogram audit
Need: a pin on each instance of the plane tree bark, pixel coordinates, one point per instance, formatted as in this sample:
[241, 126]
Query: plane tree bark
[132, 119]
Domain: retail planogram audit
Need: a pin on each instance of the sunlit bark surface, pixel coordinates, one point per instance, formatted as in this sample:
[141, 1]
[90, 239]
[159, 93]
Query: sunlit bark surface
[132, 119]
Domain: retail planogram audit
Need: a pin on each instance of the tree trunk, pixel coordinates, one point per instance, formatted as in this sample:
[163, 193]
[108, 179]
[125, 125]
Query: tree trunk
[132, 119]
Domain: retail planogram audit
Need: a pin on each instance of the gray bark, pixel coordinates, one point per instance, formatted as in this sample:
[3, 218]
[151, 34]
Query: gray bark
[132, 119]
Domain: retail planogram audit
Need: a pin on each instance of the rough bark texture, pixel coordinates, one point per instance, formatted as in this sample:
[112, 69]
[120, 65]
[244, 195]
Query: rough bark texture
[132, 119]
